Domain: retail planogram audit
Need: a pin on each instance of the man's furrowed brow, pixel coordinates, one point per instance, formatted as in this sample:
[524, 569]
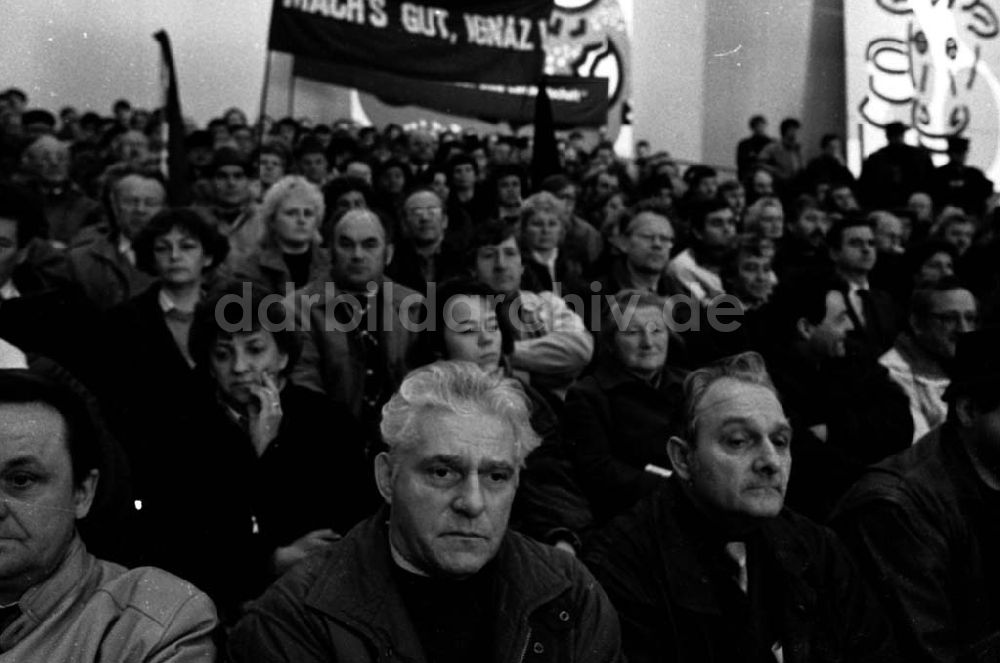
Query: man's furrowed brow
[782, 426]
[21, 462]
[488, 466]
[451, 460]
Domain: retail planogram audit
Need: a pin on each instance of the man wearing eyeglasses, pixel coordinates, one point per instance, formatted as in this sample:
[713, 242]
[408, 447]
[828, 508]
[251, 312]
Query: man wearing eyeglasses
[423, 255]
[923, 523]
[920, 357]
[645, 239]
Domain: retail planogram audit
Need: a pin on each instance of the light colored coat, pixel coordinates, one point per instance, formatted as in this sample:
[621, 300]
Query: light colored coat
[90, 610]
[560, 348]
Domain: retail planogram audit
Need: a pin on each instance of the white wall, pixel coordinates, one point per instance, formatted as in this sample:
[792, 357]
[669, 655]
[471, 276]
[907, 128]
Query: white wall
[701, 67]
[88, 53]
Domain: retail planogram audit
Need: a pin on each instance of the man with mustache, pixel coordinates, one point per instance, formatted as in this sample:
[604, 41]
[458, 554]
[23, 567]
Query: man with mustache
[712, 567]
[713, 240]
[802, 250]
[436, 576]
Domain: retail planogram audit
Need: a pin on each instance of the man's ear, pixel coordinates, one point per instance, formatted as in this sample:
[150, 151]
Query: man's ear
[83, 494]
[383, 476]
[965, 411]
[390, 249]
[804, 329]
[679, 451]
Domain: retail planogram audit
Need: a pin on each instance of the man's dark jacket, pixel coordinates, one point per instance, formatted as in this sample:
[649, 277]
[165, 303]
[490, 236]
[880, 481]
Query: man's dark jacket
[652, 561]
[405, 266]
[921, 526]
[866, 414]
[342, 605]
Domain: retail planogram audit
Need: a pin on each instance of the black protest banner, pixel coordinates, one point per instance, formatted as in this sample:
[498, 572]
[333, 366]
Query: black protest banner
[491, 41]
[576, 102]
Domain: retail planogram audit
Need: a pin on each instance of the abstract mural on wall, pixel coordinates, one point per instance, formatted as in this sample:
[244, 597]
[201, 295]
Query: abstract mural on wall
[590, 38]
[931, 64]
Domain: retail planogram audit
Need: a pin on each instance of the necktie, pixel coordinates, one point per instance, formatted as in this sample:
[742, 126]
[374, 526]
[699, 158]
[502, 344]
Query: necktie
[858, 304]
[737, 551]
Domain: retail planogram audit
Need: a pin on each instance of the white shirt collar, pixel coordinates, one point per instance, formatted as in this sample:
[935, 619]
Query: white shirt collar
[550, 262]
[854, 286]
[167, 303]
[125, 248]
[9, 291]
[12, 356]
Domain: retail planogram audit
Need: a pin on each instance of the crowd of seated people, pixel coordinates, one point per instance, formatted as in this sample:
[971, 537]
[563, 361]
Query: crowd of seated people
[333, 350]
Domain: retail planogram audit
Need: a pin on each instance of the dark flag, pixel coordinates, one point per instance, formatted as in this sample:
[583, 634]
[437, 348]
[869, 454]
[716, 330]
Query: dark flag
[545, 152]
[178, 190]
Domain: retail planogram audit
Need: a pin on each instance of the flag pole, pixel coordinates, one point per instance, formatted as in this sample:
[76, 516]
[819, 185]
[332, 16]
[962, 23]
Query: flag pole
[265, 89]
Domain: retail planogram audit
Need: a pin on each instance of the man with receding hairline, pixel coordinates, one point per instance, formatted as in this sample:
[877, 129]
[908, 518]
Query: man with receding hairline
[921, 357]
[712, 567]
[359, 326]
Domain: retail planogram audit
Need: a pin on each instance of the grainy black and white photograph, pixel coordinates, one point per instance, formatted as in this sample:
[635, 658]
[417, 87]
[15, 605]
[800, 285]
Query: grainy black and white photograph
[488, 331]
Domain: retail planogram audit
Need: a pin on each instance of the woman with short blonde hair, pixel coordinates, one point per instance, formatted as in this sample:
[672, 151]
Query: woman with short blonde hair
[289, 254]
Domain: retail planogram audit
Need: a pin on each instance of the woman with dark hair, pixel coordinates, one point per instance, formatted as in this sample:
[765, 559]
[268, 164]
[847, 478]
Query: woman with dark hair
[392, 181]
[619, 417]
[471, 322]
[148, 365]
[260, 479]
[505, 191]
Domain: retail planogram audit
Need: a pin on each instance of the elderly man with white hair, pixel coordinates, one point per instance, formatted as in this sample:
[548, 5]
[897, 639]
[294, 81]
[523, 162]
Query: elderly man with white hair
[436, 575]
[45, 170]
